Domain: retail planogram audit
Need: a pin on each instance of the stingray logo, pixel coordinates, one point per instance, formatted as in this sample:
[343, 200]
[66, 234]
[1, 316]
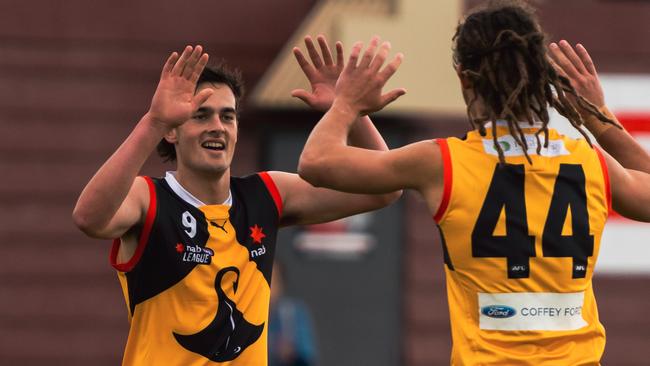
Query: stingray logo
[195, 253]
[229, 334]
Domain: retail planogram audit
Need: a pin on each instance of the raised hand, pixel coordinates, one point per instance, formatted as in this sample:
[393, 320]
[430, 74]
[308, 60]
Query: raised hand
[360, 84]
[577, 66]
[174, 100]
[322, 73]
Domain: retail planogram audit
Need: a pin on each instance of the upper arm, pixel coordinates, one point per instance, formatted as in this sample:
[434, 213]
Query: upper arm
[415, 166]
[131, 212]
[630, 190]
[304, 204]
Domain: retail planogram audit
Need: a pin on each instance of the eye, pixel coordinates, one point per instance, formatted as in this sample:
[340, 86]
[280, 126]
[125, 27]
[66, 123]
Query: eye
[228, 117]
[201, 116]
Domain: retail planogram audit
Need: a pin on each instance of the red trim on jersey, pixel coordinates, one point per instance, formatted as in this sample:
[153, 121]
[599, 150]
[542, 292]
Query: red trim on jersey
[447, 178]
[608, 191]
[273, 190]
[144, 235]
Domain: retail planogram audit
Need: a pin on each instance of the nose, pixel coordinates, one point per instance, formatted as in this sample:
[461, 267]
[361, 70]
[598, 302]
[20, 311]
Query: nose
[216, 124]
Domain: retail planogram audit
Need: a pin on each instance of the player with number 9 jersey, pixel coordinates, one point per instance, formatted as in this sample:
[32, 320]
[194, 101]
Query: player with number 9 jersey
[521, 241]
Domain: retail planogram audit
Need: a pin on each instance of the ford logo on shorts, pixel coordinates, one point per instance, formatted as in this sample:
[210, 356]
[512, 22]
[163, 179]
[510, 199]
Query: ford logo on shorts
[498, 311]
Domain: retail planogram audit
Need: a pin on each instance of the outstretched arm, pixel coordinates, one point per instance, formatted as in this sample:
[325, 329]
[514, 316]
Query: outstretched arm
[114, 200]
[302, 202]
[322, 74]
[328, 161]
[578, 67]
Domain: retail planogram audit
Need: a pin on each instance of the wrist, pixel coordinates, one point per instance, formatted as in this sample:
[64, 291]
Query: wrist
[344, 109]
[150, 121]
[596, 126]
[153, 127]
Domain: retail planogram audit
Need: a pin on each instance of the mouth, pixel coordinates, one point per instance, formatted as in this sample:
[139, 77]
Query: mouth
[214, 145]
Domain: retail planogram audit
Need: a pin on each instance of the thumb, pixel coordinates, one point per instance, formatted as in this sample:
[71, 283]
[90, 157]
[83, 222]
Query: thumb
[201, 97]
[303, 95]
[391, 96]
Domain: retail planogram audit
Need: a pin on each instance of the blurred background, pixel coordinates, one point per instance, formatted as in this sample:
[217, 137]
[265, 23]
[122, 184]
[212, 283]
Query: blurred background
[76, 75]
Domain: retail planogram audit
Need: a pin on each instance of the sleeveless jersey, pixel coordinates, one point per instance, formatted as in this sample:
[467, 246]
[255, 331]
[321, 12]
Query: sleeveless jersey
[198, 285]
[520, 242]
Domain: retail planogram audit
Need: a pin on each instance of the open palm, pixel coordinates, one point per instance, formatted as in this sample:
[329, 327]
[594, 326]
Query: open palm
[174, 100]
[322, 73]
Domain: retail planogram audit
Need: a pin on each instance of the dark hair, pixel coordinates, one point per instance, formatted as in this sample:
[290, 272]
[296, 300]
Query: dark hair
[218, 73]
[501, 50]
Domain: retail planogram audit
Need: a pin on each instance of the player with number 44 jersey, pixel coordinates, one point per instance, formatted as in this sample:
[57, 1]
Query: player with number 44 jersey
[520, 208]
[521, 240]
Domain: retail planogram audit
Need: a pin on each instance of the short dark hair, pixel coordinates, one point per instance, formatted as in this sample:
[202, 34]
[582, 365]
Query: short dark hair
[218, 73]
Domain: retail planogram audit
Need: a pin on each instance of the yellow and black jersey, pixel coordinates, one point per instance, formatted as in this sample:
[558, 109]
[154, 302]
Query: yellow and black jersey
[520, 244]
[198, 286]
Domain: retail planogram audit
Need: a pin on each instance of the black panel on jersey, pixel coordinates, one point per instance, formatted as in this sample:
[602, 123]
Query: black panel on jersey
[254, 205]
[445, 251]
[159, 267]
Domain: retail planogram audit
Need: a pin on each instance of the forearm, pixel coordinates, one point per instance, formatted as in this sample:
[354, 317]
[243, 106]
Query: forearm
[327, 146]
[108, 188]
[364, 134]
[619, 143]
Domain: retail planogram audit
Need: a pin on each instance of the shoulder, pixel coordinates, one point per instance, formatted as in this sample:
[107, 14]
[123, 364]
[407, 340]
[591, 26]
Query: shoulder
[260, 185]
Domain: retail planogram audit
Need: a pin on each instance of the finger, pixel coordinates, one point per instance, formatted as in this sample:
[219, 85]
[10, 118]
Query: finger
[180, 64]
[313, 54]
[557, 68]
[392, 67]
[302, 94]
[354, 55]
[169, 65]
[380, 58]
[306, 67]
[570, 53]
[339, 54]
[562, 61]
[201, 97]
[586, 59]
[188, 70]
[391, 96]
[325, 50]
[198, 68]
[370, 52]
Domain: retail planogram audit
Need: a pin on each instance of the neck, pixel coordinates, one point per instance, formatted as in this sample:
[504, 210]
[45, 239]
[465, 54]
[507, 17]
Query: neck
[211, 189]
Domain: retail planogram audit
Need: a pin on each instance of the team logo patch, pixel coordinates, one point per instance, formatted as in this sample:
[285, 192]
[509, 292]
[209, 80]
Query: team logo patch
[195, 253]
[498, 311]
[257, 235]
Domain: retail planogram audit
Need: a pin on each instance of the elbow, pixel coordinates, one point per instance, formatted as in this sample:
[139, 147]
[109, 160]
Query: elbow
[387, 199]
[85, 223]
[311, 169]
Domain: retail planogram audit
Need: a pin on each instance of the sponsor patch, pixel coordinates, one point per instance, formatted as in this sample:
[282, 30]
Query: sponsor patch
[498, 311]
[531, 311]
[511, 148]
[194, 253]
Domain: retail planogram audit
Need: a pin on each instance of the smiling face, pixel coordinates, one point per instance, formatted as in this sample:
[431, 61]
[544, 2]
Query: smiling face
[205, 144]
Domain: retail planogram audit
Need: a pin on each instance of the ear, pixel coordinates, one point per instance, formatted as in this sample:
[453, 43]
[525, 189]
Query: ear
[464, 81]
[171, 136]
